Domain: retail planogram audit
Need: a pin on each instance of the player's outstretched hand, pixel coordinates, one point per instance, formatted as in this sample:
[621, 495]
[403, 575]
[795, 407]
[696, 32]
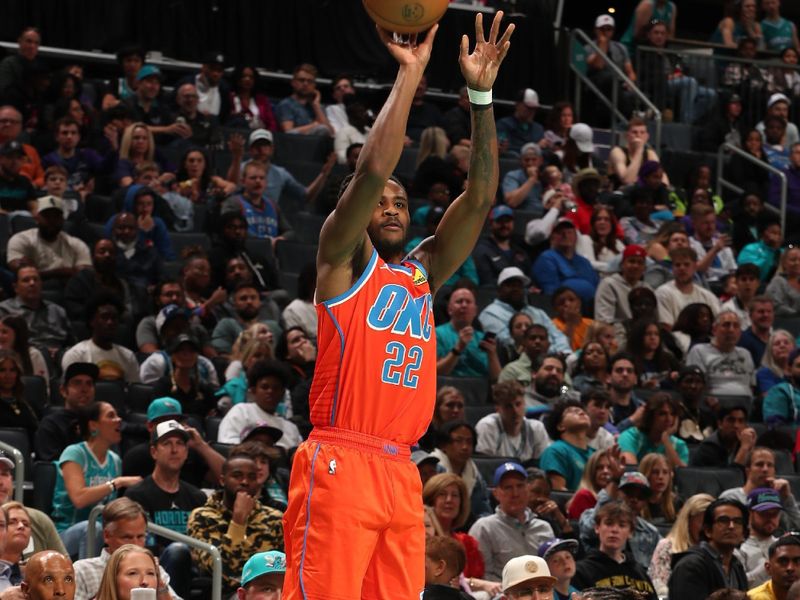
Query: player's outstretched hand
[480, 68]
[409, 54]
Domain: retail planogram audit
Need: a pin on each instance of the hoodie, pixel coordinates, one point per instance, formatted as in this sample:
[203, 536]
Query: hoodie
[698, 572]
[158, 236]
[600, 570]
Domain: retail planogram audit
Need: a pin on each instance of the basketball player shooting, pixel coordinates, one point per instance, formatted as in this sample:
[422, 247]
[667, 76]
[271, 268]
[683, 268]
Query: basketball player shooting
[354, 526]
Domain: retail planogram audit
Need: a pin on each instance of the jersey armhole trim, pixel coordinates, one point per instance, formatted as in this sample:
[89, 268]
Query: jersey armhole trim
[357, 285]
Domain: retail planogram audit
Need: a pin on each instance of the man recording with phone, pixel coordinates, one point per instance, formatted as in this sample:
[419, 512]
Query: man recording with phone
[461, 349]
[714, 255]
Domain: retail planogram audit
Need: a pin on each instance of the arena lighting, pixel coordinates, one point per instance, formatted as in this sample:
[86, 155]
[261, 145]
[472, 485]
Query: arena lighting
[611, 10]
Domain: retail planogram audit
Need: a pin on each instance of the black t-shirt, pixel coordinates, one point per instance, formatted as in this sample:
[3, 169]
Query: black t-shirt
[15, 192]
[137, 461]
[56, 431]
[166, 509]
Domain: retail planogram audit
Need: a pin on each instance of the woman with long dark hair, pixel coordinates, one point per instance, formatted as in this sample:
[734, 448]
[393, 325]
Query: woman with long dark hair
[655, 433]
[249, 107]
[656, 365]
[693, 326]
[602, 245]
[14, 408]
[14, 336]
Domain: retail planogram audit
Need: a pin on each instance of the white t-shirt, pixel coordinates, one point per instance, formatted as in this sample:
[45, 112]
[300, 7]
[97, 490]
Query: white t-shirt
[494, 441]
[249, 413]
[727, 373]
[671, 301]
[115, 364]
[63, 252]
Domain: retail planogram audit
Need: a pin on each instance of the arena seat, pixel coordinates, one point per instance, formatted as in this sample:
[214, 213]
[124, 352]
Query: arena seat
[696, 480]
[35, 393]
[784, 463]
[212, 428]
[288, 282]
[184, 240]
[293, 256]
[473, 414]
[790, 324]
[139, 397]
[307, 226]
[44, 477]
[487, 465]
[19, 439]
[474, 389]
[290, 147]
[114, 393]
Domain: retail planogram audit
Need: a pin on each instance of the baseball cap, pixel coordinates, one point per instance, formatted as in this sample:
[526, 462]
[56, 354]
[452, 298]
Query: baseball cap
[511, 273]
[583, 174]
[582, 135]
[687, 370]
[634, 250]
[735, 98]
[634, 479]
[148, 71]
[528, 97]
[168, 313]
[259, 134]
[6, 459]
[181, 339]
[775, 98]
[526, 568]
[81, 368]
[263, 563]
[418, 457]
[550, 547]
[11, 147]
[561, 221]
[261, 427]
[761, 499]
[164, 407]
[49, 203]
[604, 21]
[505, 469]
[167, 428]
[213, 58]
[500, 211]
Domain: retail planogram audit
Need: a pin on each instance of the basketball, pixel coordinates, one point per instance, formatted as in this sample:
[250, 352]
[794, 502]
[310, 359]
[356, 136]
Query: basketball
[406, 16]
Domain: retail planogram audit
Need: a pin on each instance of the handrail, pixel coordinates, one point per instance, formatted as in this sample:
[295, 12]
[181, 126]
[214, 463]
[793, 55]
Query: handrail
[585, 40]
[19, 470]
[759, 62]
[722, 182]
[216, 557]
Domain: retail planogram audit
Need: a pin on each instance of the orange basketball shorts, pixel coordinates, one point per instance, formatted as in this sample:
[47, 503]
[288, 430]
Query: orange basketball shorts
[353, 528]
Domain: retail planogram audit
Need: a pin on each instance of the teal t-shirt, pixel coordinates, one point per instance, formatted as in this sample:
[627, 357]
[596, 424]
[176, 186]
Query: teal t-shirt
[466, 270]
[65, 513]
[661, 13]
[777, 34]
[635, 441]
[566, 460]
[473, 361]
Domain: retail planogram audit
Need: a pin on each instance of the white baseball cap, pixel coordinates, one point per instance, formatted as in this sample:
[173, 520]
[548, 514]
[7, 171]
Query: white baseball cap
[529, 98]
[511, 273]
[604, 21]
[526, 568]
[582, 135]
[775, 98]
[259, 134]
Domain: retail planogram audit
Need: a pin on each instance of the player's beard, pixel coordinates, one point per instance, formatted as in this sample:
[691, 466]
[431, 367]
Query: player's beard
[388, 250]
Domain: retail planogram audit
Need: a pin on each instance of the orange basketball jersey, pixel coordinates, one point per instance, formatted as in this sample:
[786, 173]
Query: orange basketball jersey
[376, 365]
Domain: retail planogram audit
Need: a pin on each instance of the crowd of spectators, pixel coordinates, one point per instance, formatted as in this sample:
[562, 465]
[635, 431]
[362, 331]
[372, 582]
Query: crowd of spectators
[615, 331]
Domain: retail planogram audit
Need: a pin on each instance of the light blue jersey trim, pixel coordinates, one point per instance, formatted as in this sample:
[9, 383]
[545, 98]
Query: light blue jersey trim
[341, 361]
[373, 260]
[308, 522]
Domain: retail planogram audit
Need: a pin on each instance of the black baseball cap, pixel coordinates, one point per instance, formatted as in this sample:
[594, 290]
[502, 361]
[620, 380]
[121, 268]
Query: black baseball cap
[81, 368]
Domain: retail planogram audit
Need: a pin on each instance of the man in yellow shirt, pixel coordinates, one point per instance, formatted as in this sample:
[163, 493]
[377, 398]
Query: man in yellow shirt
[783, 568]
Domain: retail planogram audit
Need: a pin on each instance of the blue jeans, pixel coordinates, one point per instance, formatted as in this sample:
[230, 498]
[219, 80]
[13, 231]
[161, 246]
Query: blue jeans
[74, 538]
[695, 99]
[176, 560]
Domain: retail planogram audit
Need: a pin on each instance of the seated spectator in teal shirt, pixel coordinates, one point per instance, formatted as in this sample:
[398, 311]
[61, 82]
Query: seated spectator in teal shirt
[565, 459]
[782, 402]
[655, 433]
[766, 252]
[432, 218]
[461, 350]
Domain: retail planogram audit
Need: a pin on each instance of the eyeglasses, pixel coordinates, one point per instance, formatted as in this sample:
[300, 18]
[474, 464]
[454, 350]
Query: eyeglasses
[541, 590]
[727, 521]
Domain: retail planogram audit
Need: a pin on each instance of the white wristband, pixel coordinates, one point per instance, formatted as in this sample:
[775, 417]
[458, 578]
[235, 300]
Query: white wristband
[479, 98]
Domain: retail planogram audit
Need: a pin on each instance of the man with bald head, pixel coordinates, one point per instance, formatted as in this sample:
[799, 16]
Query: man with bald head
[137, 262]
[10, 129]
[48, 575]
[205, 128]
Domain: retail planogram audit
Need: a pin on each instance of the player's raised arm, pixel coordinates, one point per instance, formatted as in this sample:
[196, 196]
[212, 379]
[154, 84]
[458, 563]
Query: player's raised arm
[462, 222]
[344, 230]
